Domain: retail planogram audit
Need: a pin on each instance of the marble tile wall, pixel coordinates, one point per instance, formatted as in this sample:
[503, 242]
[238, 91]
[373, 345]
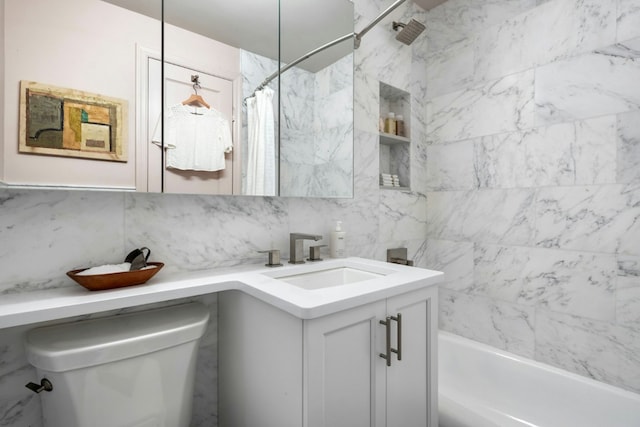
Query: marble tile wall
[46, 233]
[532, 174]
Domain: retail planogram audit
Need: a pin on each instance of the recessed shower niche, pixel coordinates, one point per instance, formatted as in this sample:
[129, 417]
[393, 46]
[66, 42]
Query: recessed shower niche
[395, 146]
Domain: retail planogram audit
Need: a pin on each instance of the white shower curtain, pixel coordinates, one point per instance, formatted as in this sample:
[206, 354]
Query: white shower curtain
[261, 164]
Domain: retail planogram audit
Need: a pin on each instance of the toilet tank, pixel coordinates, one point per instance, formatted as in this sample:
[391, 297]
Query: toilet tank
[133, 370]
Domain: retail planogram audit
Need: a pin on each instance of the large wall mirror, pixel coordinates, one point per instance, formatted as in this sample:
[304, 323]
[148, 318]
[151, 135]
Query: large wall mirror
[257, 96]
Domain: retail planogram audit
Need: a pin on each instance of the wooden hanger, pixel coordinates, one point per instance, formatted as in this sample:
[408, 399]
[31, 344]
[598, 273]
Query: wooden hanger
[195, 99]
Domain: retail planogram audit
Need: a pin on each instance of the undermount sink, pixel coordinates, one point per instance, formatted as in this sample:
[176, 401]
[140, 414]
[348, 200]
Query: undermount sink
[328, 277]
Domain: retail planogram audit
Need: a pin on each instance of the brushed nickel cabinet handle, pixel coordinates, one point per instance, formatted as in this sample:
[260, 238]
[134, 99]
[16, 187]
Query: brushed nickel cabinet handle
[398, 351]
[387, 325]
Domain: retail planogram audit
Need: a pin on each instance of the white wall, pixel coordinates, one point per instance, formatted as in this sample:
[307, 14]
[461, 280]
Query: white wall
[67, 44]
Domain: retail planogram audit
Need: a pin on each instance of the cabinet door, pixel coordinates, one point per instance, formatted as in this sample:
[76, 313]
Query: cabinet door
[411, 381]
[343, 372]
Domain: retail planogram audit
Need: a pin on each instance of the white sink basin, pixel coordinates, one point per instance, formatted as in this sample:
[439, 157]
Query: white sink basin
[329, 274]
[328, 278]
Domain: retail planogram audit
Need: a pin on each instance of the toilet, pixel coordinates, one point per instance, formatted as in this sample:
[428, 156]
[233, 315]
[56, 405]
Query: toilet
[129, 370]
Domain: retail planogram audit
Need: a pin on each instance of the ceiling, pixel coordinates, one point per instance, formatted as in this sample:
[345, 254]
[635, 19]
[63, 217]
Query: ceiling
[253, 25]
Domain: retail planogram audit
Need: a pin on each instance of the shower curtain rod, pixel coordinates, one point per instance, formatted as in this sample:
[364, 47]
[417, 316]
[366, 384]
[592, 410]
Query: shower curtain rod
[356, 36]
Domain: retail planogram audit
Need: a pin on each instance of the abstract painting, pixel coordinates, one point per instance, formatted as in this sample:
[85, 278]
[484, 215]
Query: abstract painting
[71, 123]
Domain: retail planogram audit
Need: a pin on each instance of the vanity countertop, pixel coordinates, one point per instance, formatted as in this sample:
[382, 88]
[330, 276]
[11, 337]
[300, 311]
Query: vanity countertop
[39, 306]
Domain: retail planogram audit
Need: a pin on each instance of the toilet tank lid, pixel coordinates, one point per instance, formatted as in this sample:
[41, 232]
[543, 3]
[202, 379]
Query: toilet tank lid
[85, 343]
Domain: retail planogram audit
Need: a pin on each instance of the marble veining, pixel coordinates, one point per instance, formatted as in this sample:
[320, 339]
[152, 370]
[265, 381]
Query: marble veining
[500, 324]
[47, 222]
[628, 294]
[597, 83]
[629, 148]
[598, 350]
[578, 283]
[455, 260]
[519, 43]
[451, 166]
[593, 218]
[454, 20]
[238, 229]
[395, 224]
[502, 105]
[582, 152]
[495, 216]
[452, 68]
[628, 20]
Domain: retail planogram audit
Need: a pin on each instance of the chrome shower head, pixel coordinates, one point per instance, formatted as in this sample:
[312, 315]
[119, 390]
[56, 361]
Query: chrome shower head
[409, 31]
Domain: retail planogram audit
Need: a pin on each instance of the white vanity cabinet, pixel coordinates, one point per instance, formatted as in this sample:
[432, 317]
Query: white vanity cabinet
[278, 370]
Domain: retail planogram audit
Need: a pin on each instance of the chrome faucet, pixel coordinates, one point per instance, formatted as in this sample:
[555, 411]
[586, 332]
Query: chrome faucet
[296, 246]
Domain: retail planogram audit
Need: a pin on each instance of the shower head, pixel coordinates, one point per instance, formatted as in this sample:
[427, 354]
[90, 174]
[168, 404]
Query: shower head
[409, 31]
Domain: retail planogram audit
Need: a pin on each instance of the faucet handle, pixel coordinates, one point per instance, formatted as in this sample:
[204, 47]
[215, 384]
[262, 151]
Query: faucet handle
[314, 252]
[274, 257]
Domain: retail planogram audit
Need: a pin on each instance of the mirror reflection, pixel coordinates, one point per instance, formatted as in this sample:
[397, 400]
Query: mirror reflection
[237, 72]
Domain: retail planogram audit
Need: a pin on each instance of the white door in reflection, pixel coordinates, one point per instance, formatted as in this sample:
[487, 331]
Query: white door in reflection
[218, 94]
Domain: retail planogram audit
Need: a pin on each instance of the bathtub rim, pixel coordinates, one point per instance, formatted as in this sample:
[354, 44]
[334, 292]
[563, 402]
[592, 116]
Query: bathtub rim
[464, 341]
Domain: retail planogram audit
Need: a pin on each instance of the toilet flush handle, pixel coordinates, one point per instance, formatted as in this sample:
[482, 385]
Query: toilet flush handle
[45, 385]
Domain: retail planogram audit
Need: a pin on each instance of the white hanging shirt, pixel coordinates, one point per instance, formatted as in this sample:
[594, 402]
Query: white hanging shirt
[195, 141]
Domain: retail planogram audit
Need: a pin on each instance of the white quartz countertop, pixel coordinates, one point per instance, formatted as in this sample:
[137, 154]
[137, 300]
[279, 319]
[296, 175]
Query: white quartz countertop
[256, 280]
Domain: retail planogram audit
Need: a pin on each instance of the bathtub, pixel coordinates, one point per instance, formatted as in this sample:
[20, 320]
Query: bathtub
[481, 386]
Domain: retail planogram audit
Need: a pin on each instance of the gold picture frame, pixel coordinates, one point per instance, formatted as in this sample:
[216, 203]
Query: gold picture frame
[64, 122]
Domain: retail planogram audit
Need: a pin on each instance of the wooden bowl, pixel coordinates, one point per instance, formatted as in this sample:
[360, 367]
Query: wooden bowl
[99, 282]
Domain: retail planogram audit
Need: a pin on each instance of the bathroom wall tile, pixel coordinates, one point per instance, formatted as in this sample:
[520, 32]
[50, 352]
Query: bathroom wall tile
[454, 20]
[628, 292]
[22, 412]
[533, 38]
[599, 83]
[599, 219]
[333, 168]
[498, 106]
[450, 166]
[451, 69]
[419, 168]
[503, 325]
[403, 216]
[366, 161]
[585, 347]
[189, 232]
[628, 302]
[359, 219]
[378, 50]
[334, 110]
[598, 350]
[582, 152]
[46, 233]
[628, 20]
[628, 345]
[495, 216]
[629, 148]
[335, 77]
[18, 405]
[205, 397]
[579, 283]
[366, 103]
[455, 259]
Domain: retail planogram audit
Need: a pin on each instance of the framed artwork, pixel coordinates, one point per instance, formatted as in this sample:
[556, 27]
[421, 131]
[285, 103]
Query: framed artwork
[56, 121]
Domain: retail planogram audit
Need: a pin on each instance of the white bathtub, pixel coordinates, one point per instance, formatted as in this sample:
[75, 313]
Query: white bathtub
[481, 386]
